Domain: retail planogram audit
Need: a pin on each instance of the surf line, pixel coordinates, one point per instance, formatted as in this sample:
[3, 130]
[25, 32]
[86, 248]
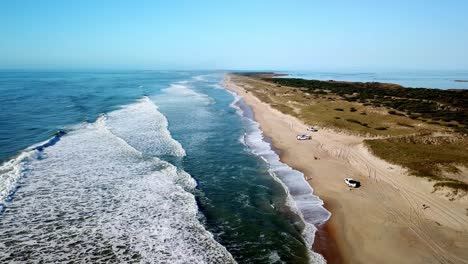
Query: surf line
[57, 136]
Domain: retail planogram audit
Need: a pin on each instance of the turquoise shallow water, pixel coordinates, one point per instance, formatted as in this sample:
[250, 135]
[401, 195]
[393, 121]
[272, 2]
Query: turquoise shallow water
[154, 167]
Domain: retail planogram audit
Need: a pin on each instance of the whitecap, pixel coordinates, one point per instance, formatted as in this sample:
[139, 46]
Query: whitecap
[183, 91]
[10, 172]
[95, 196]
[142, 126]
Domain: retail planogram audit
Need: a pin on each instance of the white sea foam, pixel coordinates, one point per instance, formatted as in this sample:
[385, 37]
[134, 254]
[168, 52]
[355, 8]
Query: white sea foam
[217, 86]
[207, 77]
[182, 91]
[300, 197]
[181, 96]
[142, 126]
[10, 172]
[95, 197]
[201, 78]
[275, 258]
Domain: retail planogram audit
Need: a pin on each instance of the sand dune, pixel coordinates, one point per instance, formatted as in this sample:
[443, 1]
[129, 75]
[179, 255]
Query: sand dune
[384, 220]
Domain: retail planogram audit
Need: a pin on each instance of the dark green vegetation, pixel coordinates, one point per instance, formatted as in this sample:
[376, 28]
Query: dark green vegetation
[428, 105]
[423, 130]
[452, 184]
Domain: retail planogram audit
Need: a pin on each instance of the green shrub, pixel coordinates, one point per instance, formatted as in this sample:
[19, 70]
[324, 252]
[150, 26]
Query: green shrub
[353, 121]
[392, 112]
[405, 125]
[357, 122]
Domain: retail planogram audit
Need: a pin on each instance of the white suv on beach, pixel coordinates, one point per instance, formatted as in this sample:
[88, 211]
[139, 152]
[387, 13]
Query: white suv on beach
[303, 137]
[352, 183]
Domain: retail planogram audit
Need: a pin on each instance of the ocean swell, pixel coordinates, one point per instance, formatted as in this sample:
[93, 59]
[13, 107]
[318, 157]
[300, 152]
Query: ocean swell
[102, 194]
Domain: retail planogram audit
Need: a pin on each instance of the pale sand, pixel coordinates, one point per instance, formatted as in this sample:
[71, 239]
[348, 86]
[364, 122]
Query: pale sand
[384, 220]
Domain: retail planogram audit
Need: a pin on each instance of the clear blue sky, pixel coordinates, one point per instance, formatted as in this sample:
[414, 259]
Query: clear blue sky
[242, 34]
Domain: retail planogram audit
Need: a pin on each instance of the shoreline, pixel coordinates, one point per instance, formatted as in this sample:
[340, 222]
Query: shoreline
[324, 238]
[381, 222]
[325, 243]
[304, 194]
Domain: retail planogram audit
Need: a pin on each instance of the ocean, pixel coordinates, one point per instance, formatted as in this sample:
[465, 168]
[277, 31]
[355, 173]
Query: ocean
[144, 167]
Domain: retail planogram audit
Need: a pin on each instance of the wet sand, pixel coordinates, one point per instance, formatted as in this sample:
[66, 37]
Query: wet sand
[325, 243]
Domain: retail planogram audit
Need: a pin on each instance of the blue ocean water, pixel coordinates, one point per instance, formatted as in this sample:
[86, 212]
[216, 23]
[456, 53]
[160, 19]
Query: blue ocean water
[34, 105]
[413, 79]
[154, 167]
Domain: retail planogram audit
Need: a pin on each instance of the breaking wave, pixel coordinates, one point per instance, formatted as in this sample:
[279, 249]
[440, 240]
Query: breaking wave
[102, 194]
[181, 92]
[146, 130]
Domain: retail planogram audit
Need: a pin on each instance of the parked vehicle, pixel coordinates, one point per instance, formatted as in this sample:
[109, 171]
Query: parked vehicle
[303, 137]
[352, 183]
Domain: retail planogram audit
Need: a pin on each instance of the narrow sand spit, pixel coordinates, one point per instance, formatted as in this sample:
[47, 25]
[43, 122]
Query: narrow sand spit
[384, 220]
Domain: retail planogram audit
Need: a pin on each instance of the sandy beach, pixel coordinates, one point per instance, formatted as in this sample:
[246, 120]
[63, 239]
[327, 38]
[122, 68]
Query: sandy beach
[384, 221]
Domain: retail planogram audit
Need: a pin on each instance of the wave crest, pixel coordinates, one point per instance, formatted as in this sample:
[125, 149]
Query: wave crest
[143, 127]
[100, 194]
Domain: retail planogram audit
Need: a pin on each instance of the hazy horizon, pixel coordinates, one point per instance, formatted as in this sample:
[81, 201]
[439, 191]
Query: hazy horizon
[208, 35]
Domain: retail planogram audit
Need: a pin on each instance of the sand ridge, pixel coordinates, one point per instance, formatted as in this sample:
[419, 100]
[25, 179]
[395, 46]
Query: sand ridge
[384, 221]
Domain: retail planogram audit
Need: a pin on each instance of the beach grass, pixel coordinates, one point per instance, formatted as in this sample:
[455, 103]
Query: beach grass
[433, 106]
[429, 156]
[457, 185]
[334, 112]
[427, 148]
